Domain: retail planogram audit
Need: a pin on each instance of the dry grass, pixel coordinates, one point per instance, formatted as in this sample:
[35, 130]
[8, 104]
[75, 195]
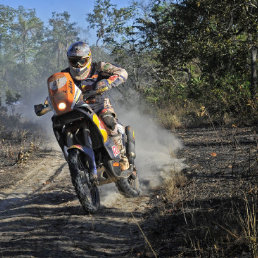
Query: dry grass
[249, 226]
[183, 116]
[173, 184]
[229, 233]
[18, 140]
[210, 210]
[193, 115]
[169, 119]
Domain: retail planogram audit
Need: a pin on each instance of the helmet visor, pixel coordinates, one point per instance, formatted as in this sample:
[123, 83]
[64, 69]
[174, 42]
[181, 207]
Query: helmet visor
[78, 62]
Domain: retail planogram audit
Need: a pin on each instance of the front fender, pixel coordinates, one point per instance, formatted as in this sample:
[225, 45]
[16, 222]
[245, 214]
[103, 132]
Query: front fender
[90, 156]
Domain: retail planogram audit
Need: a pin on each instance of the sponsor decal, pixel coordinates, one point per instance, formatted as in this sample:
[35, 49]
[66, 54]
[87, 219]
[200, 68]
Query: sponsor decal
[115, 150]
[71, 87]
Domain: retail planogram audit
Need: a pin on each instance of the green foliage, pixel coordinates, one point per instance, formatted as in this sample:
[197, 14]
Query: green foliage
[113, 25]
[214, 38]
[7, 15]
[12, 98]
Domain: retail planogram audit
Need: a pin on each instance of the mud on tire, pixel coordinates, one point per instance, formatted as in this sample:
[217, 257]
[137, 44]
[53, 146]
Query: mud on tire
[88, 197]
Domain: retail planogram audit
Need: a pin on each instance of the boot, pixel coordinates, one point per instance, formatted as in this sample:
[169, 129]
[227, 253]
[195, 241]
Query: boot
[124, 163]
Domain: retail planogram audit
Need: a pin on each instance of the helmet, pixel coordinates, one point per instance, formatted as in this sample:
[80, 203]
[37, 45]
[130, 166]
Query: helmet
[79, 57]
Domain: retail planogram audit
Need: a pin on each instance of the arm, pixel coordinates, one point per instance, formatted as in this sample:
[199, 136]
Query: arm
[114, 75]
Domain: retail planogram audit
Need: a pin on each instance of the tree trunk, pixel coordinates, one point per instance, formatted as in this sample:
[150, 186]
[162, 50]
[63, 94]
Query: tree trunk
[24, 49]
[59, 47]
[253, 87]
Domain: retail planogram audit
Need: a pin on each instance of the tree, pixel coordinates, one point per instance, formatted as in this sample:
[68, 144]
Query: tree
[23, 37]
[7, 15]
[60, 35]
[27, 33]
[211, 41]
[113, 24]
[99, 19]
[215, 32]
[29, 53]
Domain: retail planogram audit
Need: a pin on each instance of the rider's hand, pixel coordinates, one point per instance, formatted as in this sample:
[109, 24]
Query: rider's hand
[102, 84]
[86, 88]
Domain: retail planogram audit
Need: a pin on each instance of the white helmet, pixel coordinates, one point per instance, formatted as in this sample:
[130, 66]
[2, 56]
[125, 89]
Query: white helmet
[79, 57]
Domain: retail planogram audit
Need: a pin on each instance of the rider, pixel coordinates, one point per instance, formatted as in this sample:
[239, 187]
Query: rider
[88, 75]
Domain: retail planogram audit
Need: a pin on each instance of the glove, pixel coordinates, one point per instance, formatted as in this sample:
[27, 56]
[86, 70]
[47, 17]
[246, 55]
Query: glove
[38, 108]
[103, 84]
[41, 109]
[86, 88]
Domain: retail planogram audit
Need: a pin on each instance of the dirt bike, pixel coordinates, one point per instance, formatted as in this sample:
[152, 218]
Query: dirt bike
[92, 155]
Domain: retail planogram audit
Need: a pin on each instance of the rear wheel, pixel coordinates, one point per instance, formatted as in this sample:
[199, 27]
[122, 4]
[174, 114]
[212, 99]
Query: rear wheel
[129, 187]
[87, 193]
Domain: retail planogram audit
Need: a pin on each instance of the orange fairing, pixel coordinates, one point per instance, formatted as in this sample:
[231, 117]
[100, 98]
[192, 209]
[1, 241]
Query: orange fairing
[63, 93]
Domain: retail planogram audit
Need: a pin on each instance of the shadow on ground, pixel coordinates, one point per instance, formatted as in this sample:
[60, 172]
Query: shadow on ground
[54, 225]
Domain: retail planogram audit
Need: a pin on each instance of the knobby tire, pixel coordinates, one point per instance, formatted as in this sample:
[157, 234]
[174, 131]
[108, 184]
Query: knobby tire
[89, 201]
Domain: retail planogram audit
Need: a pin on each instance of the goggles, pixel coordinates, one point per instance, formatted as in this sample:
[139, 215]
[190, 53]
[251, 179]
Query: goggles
[77, 61]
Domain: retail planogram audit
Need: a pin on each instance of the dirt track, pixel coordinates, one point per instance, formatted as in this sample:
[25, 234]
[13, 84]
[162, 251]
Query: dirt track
[40, 215]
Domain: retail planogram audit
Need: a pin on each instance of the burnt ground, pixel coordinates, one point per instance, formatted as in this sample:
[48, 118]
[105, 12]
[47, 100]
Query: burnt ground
[212, 211]
[205, 211]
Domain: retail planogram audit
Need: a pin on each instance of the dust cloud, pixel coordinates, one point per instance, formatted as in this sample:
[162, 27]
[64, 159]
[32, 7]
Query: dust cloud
[26, 109]
[156, 147]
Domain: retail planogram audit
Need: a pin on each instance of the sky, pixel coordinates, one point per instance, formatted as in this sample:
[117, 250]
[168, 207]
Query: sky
[78, 9]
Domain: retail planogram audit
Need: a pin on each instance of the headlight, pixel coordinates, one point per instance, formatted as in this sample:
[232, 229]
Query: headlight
[62, 106]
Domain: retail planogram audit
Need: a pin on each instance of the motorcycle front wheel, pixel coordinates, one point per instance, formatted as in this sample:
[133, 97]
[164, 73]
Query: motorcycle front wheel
[87, 193]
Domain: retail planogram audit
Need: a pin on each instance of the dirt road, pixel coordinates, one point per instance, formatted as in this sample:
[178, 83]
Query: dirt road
[40, 215]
